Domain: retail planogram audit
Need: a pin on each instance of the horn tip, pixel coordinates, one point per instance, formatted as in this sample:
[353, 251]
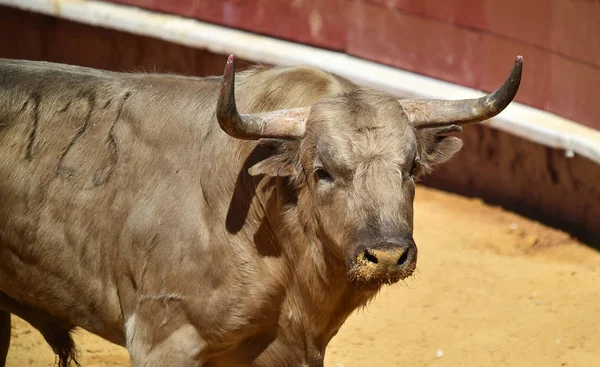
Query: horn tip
[519, 61]
[229, 66]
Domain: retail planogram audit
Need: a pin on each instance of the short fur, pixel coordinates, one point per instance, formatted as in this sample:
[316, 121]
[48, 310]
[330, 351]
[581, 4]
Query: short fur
[127, 211]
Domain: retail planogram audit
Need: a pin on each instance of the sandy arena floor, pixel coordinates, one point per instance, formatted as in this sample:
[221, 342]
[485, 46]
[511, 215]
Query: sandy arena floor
[492, 289]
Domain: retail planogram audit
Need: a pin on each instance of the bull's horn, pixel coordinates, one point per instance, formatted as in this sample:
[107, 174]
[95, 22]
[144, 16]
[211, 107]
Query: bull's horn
[434, 113]
[281, 124]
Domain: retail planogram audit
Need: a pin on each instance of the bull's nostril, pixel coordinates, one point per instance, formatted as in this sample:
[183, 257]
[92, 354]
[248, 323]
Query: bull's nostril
[370, 257]
[403, 258]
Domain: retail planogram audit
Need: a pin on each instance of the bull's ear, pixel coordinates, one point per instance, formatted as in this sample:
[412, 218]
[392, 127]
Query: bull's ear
[281, 159]
[435, 147]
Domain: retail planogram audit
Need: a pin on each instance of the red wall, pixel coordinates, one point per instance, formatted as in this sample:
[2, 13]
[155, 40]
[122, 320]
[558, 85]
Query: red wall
[468, 42]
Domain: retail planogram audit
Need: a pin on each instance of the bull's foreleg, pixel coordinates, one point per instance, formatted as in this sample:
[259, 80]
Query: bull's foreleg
[4, 336]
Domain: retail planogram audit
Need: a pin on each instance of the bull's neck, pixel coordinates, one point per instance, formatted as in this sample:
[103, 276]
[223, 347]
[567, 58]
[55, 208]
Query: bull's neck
[319, 295]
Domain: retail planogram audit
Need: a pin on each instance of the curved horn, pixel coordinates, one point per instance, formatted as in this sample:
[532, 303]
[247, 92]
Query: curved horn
[281, 124]
[434, 113]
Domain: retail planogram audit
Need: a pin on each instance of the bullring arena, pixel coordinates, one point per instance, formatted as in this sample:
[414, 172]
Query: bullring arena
[508, 231]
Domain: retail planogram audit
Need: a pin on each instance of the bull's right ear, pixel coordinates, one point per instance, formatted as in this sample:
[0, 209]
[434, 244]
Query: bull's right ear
[282, 159]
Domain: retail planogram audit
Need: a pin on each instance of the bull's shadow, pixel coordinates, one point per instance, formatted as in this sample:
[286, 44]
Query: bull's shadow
[265, 240]
[245, 190]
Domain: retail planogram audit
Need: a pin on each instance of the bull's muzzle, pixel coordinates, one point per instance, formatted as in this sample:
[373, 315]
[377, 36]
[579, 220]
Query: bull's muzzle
[384, 263]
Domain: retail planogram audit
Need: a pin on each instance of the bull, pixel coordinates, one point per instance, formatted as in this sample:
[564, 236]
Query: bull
[201, 236]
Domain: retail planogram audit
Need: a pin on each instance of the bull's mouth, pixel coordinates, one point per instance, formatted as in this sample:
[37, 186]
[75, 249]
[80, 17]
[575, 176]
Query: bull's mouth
[365, 276]
[369, 270]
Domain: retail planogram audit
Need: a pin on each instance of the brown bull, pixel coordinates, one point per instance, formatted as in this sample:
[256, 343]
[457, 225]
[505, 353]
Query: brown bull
[132, 208]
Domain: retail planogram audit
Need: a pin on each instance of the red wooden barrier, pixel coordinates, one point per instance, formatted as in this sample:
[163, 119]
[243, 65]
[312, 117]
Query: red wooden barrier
[314, 22]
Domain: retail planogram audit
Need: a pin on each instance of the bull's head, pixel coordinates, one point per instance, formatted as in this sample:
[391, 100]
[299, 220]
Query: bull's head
[356, 156]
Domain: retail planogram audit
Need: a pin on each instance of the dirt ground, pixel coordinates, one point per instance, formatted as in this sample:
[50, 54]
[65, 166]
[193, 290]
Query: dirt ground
[491, 289]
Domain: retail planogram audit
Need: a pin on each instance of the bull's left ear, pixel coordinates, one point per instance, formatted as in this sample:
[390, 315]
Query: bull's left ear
[435, 147]
[281, 159]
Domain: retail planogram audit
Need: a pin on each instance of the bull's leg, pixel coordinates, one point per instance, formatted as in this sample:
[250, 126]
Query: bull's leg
[151, 344]
[4, 336]
[56, 332]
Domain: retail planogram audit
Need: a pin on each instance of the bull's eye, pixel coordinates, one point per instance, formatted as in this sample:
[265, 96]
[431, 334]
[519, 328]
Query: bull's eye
[411, 173]
[413, 168]
[322, 174]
